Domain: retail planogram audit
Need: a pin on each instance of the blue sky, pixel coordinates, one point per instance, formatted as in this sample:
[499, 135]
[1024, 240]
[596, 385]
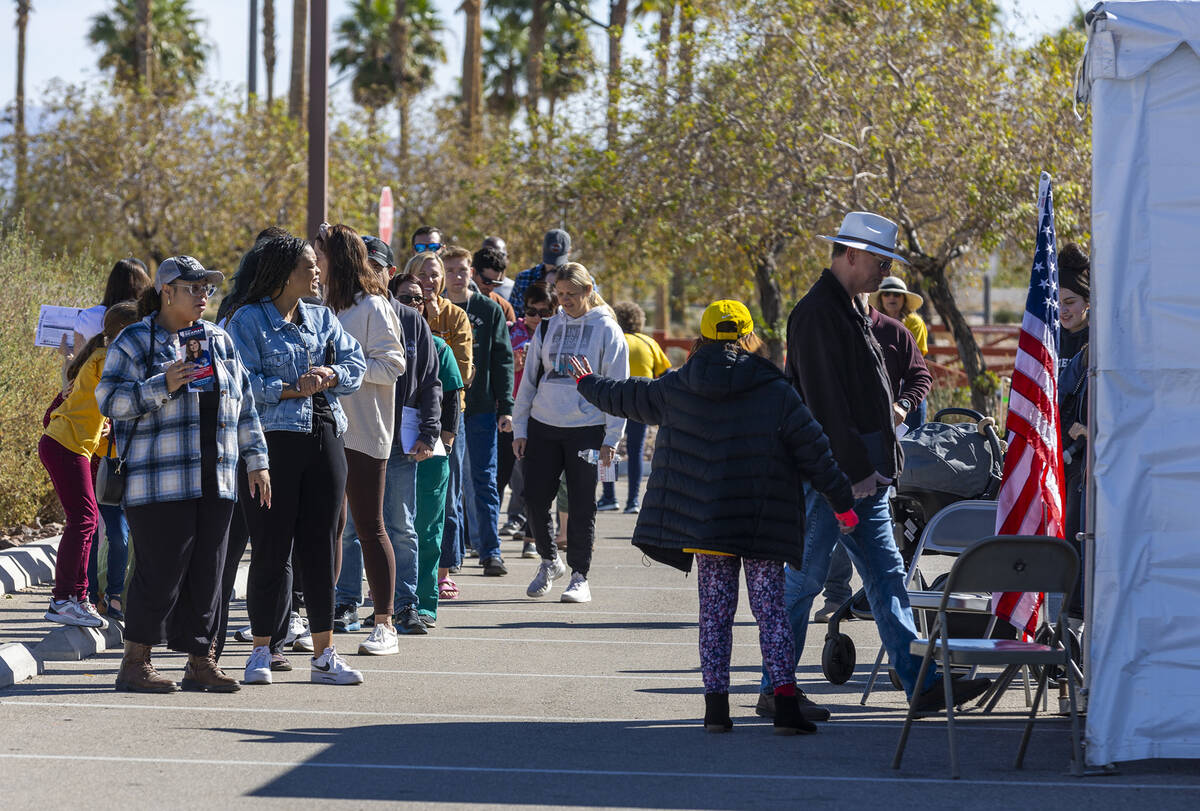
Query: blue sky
[58, 48]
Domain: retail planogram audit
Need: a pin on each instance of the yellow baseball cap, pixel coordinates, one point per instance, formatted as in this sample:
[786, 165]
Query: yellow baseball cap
[726, 320]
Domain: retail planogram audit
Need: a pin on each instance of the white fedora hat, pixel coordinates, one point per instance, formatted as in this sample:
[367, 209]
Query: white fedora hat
[868, 232]
[893, 284]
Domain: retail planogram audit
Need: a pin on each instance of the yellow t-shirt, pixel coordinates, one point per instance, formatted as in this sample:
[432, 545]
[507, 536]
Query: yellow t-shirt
[646, 357]
[917, 327]
[76, 424]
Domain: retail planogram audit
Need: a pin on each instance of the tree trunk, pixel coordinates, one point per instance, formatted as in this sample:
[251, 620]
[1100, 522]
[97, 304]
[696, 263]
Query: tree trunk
[937, 286]
[299, 59]
[269, 47]
[402, 160]
[537, 43]
[678, 288]
[400, 74]
[687, 49]
[23, 9]
[472, 73]
[142, 43]
[665, 22]
[618, 14]
[770, 300]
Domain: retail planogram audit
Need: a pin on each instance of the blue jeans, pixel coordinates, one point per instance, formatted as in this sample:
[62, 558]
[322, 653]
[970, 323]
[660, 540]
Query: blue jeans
[872, 548]
[837, 584]
[116, 530]
[481, 501]
[916, 417]
[635, 443]
[453, 537]
[399, 519]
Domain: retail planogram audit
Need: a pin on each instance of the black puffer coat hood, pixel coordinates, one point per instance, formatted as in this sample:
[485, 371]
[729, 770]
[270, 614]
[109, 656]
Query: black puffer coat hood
[734, 444]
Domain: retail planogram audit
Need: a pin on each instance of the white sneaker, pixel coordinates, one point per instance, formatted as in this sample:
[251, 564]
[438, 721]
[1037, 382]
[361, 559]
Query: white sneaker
[304, 640]
[73, 612]
[296, 626]
[329, 668]
[244, 634]
[382, 642]
[578, 590]
[258, 666]
[547, 573]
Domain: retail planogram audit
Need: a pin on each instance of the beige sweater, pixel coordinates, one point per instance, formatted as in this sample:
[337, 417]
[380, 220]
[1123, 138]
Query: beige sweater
[371, 411]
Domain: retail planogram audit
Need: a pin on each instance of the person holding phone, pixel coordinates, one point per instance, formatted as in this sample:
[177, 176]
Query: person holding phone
[181, 452]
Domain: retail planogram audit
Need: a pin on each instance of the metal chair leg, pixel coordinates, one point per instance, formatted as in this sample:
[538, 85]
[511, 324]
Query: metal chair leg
[1032, 715]
[1077, 764]
[949, 692]
[911, 714]
[874, 675]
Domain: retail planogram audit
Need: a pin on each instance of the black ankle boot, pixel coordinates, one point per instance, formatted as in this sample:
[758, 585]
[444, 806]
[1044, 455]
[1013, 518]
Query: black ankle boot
[789, 720]
[716, 712]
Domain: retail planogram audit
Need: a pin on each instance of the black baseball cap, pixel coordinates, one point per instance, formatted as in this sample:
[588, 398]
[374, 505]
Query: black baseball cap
[555, 247]
[379, 251]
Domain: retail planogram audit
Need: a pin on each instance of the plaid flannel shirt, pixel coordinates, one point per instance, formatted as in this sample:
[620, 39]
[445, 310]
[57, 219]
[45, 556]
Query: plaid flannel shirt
[163, 462]
[525, 278]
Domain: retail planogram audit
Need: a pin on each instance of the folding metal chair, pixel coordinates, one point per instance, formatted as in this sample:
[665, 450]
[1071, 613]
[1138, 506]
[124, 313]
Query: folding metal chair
[1002, 563]
[950, 531]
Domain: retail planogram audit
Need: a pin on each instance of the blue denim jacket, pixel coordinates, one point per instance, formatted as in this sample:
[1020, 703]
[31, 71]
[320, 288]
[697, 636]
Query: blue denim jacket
[277, 352]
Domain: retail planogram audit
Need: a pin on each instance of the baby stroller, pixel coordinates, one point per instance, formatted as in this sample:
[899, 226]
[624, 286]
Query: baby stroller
[943, 463]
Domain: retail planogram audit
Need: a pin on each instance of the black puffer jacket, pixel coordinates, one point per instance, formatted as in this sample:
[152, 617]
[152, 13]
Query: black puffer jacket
[734, 444]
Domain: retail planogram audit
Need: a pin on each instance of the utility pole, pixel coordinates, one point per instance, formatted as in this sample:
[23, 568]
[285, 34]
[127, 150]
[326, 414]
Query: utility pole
[252, 61]
[318, 116]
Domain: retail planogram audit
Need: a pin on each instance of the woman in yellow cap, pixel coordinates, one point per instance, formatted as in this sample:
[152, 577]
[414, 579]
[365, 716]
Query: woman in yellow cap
[734, 442]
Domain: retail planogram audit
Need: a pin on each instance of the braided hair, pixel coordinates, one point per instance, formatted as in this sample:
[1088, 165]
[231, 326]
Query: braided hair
[276, 258]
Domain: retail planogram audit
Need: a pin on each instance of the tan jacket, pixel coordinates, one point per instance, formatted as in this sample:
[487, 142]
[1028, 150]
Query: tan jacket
[452, 326]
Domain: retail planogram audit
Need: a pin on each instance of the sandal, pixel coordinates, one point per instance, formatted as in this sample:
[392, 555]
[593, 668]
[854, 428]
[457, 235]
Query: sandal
[447, 589]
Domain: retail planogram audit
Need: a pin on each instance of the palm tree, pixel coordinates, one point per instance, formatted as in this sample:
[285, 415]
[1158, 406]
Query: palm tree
[299, 59]
[472, 71]
[424, 49]
[140, 41]
[567, 59]
[364, 49]
[505, 50]
[269, 47]
[23, 9]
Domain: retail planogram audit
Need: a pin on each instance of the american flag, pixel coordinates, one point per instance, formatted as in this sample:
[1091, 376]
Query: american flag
[1031, 495]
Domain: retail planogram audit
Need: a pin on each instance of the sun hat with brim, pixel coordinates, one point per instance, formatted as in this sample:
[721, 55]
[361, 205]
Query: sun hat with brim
[726, 320]
[184, 269]
[894, 285]
[868, 232]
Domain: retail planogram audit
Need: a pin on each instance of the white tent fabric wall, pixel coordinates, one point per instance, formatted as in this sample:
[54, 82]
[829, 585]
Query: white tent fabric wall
[1143, 75]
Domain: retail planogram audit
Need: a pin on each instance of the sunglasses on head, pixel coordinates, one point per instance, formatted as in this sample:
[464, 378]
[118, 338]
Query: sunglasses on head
[421, 247]
[540, 313]
[405, 298]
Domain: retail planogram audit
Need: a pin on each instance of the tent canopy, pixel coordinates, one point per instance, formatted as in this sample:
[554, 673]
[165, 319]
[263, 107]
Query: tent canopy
[1141, 75]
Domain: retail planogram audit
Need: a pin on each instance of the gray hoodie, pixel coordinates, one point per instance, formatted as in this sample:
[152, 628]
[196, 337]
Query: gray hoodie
[553, 400]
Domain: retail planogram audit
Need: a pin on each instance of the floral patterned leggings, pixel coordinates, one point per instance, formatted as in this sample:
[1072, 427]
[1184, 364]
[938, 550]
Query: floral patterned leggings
[717, 579]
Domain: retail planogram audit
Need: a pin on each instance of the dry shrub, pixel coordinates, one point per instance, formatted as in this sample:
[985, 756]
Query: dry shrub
[29, 375]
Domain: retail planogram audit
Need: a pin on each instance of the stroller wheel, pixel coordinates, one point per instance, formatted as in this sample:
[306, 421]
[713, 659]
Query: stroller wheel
[838, 658]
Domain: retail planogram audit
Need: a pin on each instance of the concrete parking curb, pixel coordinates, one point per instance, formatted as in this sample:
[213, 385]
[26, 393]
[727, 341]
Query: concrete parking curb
[72, 643]
[22, 567]
[16, 665]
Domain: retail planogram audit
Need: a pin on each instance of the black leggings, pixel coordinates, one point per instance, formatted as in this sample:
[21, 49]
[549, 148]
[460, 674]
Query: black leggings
[549, 452]
[364, 496]
[308, 480]
[175, 593]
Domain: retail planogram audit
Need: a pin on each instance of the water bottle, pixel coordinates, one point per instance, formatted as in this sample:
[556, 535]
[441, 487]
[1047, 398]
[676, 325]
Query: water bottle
[591, 456]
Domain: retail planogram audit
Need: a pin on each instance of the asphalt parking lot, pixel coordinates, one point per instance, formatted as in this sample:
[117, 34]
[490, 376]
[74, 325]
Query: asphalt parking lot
[519, 702]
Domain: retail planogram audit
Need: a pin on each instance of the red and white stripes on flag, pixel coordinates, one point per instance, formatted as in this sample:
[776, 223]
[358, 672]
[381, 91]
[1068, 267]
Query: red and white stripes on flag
[1031, 494]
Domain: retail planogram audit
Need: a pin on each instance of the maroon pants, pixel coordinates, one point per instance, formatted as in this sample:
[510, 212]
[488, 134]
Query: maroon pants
[71, 475]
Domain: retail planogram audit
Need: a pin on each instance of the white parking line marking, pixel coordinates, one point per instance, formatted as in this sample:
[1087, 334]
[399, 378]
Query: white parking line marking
[675, 774]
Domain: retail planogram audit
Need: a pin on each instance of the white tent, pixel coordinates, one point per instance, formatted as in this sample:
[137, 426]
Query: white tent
[1142, 77]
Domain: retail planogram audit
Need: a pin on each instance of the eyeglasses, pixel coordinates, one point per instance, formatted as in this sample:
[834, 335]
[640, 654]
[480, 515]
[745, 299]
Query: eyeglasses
[539, 313]
[421, 247]
[491, 282]
[197, 289]
[884, 264]
[407, 299]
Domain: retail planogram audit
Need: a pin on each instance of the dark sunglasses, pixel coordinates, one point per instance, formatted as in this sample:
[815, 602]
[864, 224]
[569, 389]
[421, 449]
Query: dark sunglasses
[407, 299]
[540, 313]
[491, 282]
[421, 247]
[884, 264]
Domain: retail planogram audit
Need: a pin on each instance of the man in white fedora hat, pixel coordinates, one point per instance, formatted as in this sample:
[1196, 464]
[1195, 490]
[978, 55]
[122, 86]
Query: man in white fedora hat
[838, 367]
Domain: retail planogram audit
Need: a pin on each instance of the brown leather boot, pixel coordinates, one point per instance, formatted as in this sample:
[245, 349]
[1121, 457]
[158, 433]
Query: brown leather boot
[137, 675]
[204, 676]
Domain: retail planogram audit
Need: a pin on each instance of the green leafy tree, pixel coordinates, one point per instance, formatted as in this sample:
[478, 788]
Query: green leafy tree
[177, 50]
